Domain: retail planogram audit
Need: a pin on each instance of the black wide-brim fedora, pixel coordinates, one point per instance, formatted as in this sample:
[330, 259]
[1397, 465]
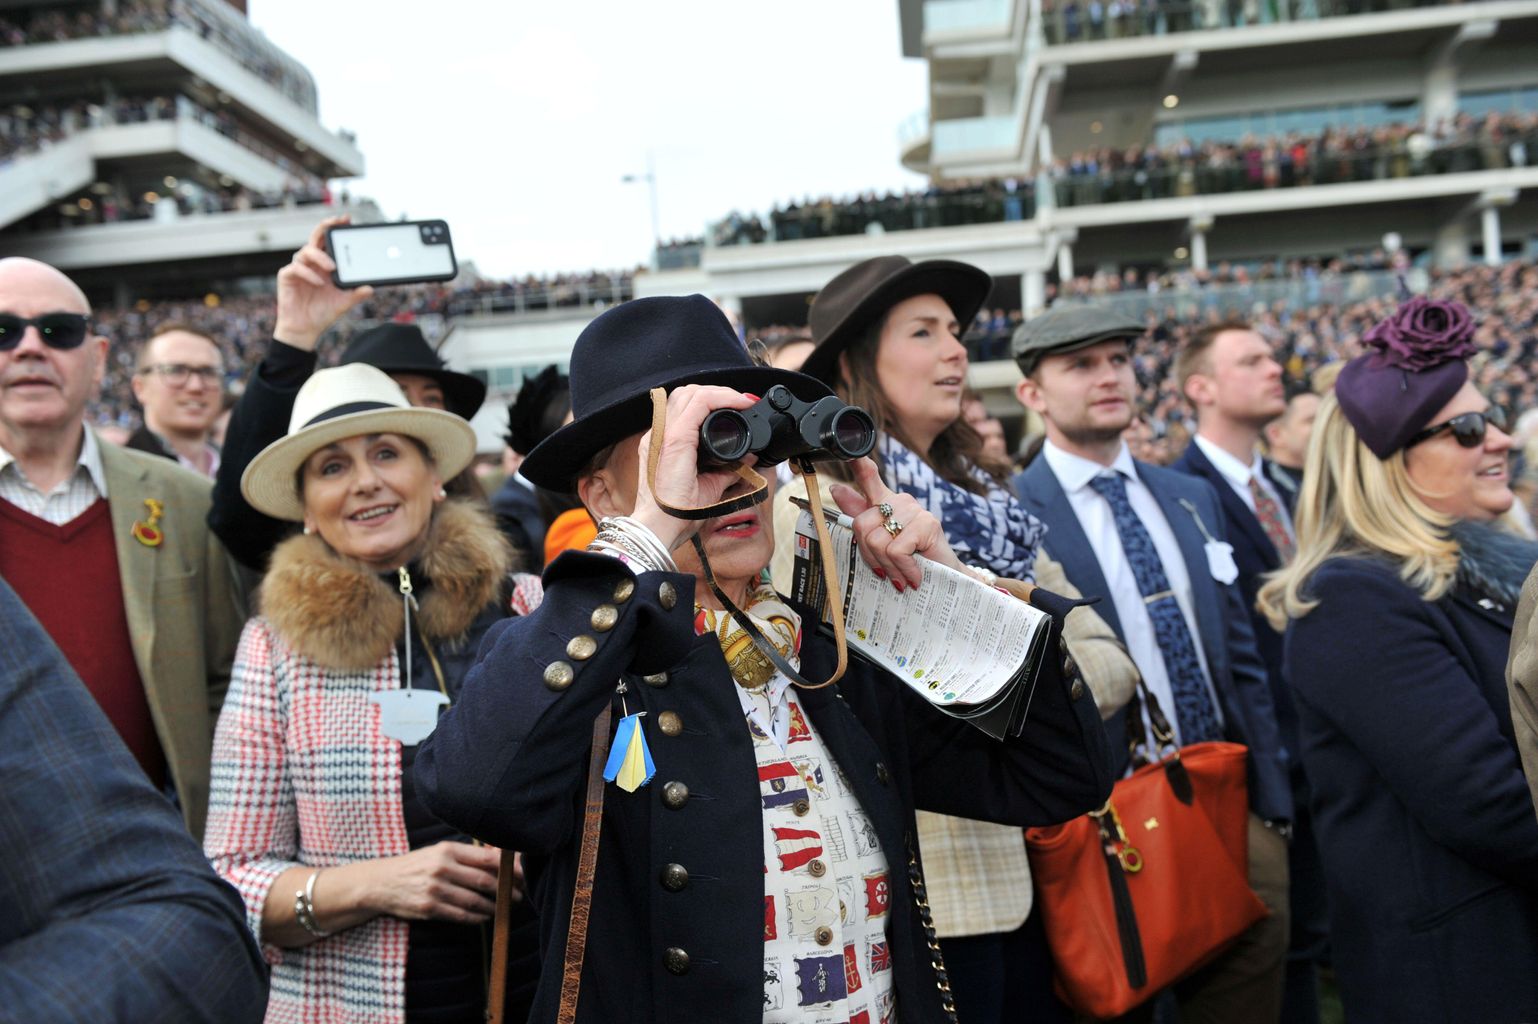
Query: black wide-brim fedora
[857, 298]
[666, 342]
[401, 348]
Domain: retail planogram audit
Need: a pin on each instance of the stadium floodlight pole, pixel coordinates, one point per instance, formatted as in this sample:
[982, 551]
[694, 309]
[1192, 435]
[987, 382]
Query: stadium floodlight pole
[650, 177]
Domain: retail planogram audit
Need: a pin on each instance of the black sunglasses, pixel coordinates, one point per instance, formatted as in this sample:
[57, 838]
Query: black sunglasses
[1468, 429]
[58, 330]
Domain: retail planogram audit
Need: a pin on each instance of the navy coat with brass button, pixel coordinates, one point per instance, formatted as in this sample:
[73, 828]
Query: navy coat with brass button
[677, 916]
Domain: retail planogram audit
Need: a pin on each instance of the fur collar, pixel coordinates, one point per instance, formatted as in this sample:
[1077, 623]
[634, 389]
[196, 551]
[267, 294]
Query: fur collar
[344, 616]
[1493, 561]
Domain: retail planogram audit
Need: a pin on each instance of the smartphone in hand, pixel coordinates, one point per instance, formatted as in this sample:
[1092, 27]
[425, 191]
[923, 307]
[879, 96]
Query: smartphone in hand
[399, 252]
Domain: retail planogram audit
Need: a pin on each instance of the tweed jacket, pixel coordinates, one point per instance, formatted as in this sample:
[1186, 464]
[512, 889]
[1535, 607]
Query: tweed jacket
[111, 912]
[1522, 681]
[678, 910]
[978, 872]
[184, 606]
[302, 774]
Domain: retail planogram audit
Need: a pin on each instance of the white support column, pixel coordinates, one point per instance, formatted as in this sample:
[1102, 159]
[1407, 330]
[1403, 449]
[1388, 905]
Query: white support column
[1065, 262]
[1490, 222]
[1198, 250]
[1033, 292]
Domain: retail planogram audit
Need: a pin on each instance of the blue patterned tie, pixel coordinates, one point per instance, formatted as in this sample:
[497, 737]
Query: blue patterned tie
[1193, 701]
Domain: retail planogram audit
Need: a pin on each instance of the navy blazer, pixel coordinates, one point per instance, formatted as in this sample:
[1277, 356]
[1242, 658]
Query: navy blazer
[507, 764]
[1255, 555]
[1238, 675]
[110, 911]
[1424, 819]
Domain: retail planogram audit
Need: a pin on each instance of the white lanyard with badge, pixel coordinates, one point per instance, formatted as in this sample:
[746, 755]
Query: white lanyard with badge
[407, 714]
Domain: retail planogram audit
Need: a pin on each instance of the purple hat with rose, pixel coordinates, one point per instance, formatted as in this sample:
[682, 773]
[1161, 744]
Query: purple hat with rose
[1414, 366]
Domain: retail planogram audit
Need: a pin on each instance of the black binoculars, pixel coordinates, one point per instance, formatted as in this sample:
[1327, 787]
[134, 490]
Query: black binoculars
[781, 426]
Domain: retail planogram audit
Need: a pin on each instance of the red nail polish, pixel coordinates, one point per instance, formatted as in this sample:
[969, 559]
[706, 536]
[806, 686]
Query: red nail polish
[880, 573]
[898, 584]
[751, 395]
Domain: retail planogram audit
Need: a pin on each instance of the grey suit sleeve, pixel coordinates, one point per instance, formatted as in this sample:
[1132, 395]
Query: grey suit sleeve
[112, 913]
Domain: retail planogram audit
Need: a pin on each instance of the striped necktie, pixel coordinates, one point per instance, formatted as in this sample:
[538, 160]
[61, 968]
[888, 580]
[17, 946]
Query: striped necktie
[1270, 515]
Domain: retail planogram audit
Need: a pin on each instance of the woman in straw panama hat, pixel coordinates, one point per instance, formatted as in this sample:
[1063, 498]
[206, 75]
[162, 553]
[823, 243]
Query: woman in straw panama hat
[369, 907]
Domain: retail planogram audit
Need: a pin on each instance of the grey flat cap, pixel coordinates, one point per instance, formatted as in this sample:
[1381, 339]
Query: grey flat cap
[1068, 329]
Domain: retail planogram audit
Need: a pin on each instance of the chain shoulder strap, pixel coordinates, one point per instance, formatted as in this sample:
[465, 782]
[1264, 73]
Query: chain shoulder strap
[936, 958]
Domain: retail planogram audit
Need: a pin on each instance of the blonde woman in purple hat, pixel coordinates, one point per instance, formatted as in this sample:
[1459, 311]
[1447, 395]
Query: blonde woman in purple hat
[1398, 613]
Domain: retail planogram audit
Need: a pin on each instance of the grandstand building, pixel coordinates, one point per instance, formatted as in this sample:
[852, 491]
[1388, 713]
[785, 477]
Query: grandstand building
[159, 148]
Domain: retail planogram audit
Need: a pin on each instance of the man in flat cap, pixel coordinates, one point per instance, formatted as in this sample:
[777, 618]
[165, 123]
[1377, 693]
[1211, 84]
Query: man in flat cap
[1151, 541]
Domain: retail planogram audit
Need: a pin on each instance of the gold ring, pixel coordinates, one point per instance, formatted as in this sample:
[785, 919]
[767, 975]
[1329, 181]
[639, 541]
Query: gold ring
[893, 527]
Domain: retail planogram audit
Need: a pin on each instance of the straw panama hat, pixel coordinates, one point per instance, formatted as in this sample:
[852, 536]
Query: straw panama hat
[339, 403]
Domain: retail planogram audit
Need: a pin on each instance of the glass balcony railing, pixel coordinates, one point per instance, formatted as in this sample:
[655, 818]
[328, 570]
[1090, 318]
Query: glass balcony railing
[1078, 21]
[971, 16]
[968, 134]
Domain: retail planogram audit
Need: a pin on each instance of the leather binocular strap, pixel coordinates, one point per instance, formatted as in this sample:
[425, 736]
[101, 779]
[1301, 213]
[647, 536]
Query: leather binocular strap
[760, 491]
[587, 866]
[726, 507]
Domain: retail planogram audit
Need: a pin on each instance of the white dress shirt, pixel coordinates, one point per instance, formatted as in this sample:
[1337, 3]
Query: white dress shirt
[1238, 476]
[72, 496]
[1094, 513]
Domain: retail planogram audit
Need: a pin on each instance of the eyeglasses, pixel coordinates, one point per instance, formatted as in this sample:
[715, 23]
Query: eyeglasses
[177, 374]
[1467, 429]
[58, 330]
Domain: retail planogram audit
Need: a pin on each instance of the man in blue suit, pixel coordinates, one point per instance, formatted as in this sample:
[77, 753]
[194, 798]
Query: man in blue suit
[108, 909]
[1228, 374]
[1152, 543]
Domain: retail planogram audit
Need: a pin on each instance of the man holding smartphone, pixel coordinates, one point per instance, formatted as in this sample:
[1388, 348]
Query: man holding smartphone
[309, 303]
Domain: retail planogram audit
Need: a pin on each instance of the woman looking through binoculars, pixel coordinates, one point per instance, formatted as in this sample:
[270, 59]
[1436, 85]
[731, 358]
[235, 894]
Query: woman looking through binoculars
[764, 872]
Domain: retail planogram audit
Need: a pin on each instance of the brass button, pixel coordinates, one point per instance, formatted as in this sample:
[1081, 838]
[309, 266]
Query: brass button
[1076, 691]
[674, 877]
[604, 618]
[558, 675]
[882, 775]
[674, 795]
[667, 595]
[824, 935]
[801, 808]
[670, 723]
[581, 648]
[817, 868]
[657, 679]
[623, 589]
[675, 960]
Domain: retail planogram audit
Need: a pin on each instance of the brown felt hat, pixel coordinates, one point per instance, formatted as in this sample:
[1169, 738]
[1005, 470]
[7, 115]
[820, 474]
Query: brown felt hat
[861, 295]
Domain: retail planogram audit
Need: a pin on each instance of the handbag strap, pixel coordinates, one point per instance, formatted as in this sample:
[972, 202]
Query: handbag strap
[1167, 752]
[587, 865]
[926, 919]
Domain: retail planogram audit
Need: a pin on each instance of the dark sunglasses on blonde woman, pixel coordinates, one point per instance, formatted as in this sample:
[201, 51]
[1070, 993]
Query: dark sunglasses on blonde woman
[58, 330]
[1468, 429]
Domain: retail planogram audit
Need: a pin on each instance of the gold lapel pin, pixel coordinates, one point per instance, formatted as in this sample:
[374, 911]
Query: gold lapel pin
[148, 532]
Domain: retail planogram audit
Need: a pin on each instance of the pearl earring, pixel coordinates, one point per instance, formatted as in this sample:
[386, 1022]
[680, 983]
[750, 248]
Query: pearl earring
[442, 493]
[308, 531]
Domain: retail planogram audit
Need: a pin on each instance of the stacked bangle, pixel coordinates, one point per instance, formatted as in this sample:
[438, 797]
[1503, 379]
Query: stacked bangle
[304, 907]
[633, 543]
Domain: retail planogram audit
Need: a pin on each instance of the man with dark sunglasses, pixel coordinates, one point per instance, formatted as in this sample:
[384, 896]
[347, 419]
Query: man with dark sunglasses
[109, 547]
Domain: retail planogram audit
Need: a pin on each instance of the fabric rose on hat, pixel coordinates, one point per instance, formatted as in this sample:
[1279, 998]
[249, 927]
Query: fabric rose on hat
[1423, 333]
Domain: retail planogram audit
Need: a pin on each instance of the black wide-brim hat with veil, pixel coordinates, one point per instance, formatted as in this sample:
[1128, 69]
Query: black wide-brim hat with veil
[660, 342]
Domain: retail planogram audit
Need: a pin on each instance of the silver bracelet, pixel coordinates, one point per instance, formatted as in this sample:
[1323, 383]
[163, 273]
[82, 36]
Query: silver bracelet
[304, 907]
[633, 543]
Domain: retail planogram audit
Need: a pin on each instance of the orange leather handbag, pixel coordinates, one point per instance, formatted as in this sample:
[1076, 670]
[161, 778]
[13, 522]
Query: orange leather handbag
[1154, 885]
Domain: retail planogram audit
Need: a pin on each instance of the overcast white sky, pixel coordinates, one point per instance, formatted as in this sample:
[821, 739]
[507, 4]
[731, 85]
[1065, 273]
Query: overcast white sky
[515, 121]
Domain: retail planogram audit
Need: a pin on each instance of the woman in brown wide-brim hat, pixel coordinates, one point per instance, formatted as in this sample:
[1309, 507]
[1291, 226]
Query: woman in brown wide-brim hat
[888, 339]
